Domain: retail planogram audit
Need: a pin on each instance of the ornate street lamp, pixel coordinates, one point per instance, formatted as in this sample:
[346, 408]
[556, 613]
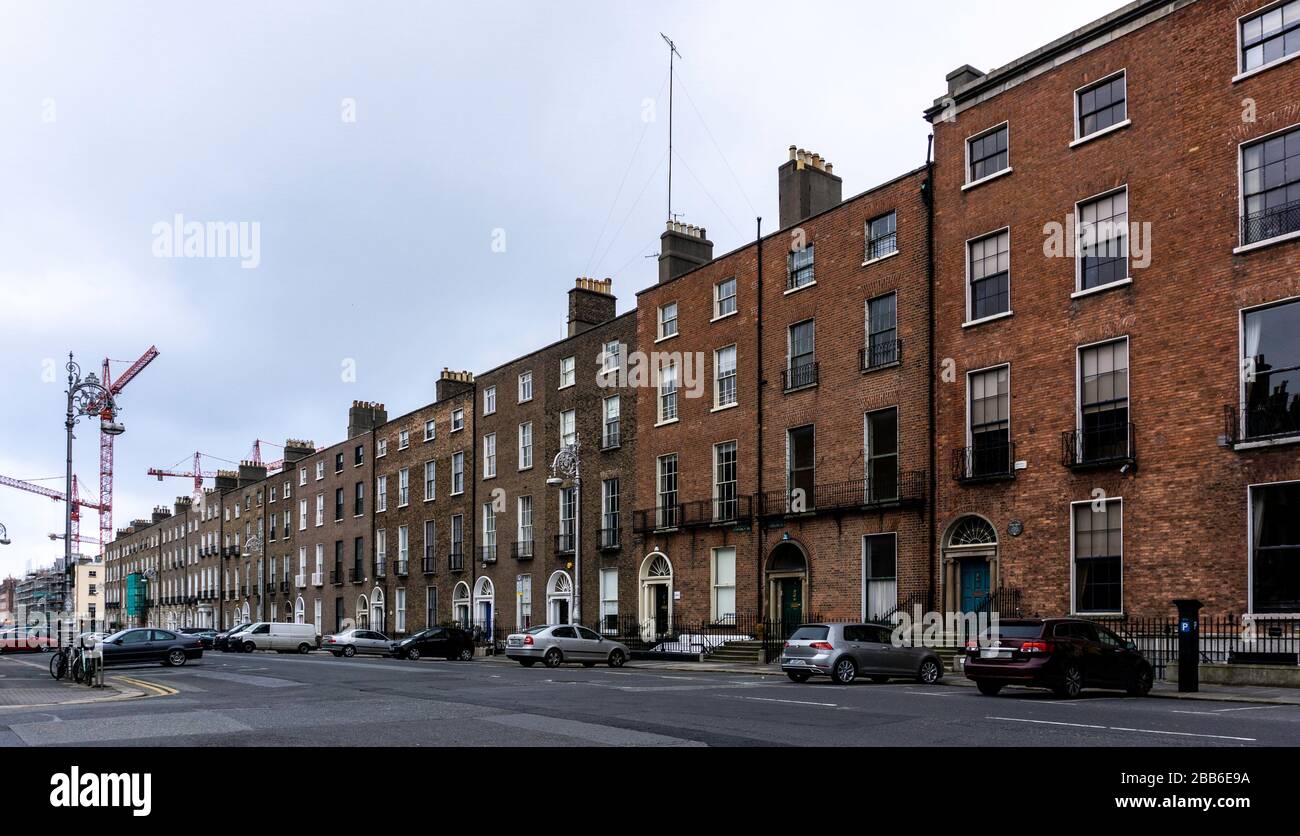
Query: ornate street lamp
[4, 535]
[568, 465]
[89, 398]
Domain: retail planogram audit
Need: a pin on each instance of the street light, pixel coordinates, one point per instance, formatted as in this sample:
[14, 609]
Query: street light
[86, 397]
[568, 465]
[4, 535]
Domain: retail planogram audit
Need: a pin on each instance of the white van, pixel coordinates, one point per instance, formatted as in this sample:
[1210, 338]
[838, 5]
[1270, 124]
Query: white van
[279, 636]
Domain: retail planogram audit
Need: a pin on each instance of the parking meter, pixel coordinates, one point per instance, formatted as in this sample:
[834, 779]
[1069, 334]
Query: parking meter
[1189, 644]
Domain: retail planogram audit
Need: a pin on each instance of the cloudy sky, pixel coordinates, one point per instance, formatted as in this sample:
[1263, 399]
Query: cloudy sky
[426, 180]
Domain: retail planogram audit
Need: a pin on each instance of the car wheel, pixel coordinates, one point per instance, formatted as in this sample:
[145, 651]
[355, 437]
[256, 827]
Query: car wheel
[880, 680]
[988, 689]
[304, 648]
[554, 658]
[1141, 684]
[349, 651]
[616, 659]
[176, 657]
[1071, 683]
[466, 654]
[413, 653]
[846, 670]
[798, 676]
[249, 647]
[528, 663]
[930, 672]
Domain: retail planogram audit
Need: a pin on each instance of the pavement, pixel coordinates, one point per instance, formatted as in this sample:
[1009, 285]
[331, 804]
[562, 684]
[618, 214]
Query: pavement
[267, 699]
[25, 682]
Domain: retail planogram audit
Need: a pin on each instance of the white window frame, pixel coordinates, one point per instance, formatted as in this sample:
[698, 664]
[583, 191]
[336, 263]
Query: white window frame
[718, 298]
[457, 473]
[1079, 91]
[969, 183]
[489, 400]
[430, 429]
[1122, 526]
[1243, 247]
[1078, 250]
[1242, 72]
[430, 480]
[457, 419]
[525, 438]
[381, 493]
[717, 378]
[568, 372]
[489, 456]
[525, 386]
[966, 317]
[714, 615]
[403, 487]
[660, 333]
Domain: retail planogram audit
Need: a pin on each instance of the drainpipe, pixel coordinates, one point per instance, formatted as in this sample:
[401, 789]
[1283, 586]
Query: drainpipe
[758, 420]
[927, 194]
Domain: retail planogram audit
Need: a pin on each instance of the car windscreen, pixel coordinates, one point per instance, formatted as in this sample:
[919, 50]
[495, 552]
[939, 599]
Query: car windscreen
[1015, 631]
[117, 635]
[811, 632]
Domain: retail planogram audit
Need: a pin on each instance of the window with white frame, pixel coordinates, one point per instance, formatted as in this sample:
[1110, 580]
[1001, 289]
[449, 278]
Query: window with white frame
[668, 392]
[801, 355]
[1101, 105]
[881, 454]
[1270, 185]
[457, 535]
[403, 549]
[489, 400]
[988, 153]
[381, 493]
[667, 320]
[725, 494]
[1103, 240]
[430, 430]
[526, 445]
[489, 455]
[723, 597]
[1274, 532]
[302, 476]
[403, 439]
[1270, 396]
[724, 298]
[302, 515]
[568, 428]
[524, 535]
[988, 267]
[879, 575]
[568, 372]
[430, 480]
[799, 267]
[489, 533]
[666, 507]
[457, 419]
[882, 346]
[1097, 531]
[568, 515]
[457, 473]
[882, 236]
[403, 487]
[320, 470]
[381, 552]
[381, 447]
[1269, 36]
[609, 601]
[320, 509]
[724, 377]
[399, 611]
[610, 435]
[611, 357]
[609, 507]
[1103, 420]
[525, 387]
[524, 599]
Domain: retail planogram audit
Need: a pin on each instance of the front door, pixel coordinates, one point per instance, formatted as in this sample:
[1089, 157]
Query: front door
[661, 608]
[974, 583]
[791, 595]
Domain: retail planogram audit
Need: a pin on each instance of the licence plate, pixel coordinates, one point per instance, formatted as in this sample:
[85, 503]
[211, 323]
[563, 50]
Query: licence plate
[994, 653]
[795, 662]
[515, 643]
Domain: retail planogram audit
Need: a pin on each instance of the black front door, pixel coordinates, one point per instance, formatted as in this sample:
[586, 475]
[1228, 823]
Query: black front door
[661, 608]
[791, 593]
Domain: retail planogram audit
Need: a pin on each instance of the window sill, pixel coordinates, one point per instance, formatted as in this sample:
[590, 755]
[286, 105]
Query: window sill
[724, 316]
[1264, 443]
[427, 440]
[430, 499]
[812, 283]
[666, 338]
[995, 317]
[972, 184]
[895, 364]
[568, 385]
[487, 478]
[526, 400]
[872, 261]
[525, 469]
[1274, 63]
[1267, 242]
[457, 493]
[1079, 294]
[726, 407]
[666, 423]
[458, 429]
[1099, 134]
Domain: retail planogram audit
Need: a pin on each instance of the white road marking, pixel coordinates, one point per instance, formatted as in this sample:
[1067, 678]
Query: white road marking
[1220, 711]
[1124, 729]
[773, 699]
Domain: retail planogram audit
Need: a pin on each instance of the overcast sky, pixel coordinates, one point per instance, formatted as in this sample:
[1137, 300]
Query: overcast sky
[426, 181]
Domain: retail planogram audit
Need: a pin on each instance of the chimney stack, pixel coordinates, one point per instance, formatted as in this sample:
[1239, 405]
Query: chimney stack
[962, 76]
[227, 480]
[451, 384]
[160, 513]
[682, 248]
[250, 472]
[806, 186]
[591, 303]
[296, 449]
[364, 416]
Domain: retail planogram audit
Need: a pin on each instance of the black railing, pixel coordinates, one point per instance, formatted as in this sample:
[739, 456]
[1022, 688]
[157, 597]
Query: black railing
[799, 377]
[901, 489]
[882, 246]
[336, 577]
[656, 519]
[357, 574]
[985, 462]
[487, 554]
[1099, 446]
[270, 586]
[1230, 639]
[907, 605]
[716, 511]
[456, 561]
[882, 353]
[381, 567]
[522, 550]
[611, 437]
[430, 564]
[609, 539]
[401, 567]
[1003, 601]
[564, 543]
[1261, 423]
[284, 585]
[1270, 223]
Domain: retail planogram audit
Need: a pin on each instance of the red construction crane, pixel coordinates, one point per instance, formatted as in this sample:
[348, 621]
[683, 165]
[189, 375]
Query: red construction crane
[106, 440]
[197, 473]
[58, 496]
[77, 538]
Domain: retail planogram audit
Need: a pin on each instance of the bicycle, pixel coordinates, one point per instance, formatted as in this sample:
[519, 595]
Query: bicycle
[59, 663]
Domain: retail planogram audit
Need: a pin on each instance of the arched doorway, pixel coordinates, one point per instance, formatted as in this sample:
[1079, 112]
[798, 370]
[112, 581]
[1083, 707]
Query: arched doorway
[460, 604]
[299, 610]
[787, 584]
[363, 612]
[244, 617]
[377, 611]
[559, 598]
[655, 602]
[484, 600]
[970, 563]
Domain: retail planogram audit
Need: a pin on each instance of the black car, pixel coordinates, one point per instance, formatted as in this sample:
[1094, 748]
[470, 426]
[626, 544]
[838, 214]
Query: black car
[204, 634]
[149, 644]
[438, 642]
[1064, 654]
[219, 641]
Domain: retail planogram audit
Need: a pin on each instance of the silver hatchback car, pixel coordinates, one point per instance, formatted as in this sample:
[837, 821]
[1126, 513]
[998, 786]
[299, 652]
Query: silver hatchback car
[846, 651]
[555, 644]
[358, 640]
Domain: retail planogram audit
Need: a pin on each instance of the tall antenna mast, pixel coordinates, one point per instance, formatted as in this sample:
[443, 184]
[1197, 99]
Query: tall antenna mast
[672, 51]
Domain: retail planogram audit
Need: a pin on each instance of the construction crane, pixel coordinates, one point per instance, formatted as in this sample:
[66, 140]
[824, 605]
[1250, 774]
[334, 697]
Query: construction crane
[76, 538]
[58, 496]
[197, 473]
[106, 439]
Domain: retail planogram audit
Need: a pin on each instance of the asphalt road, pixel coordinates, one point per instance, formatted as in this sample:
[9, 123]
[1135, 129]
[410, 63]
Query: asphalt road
[271, 700]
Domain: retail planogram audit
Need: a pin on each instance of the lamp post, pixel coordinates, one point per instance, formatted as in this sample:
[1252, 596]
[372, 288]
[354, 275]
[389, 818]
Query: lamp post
[4, 535]
[86, 397]
[568, 465]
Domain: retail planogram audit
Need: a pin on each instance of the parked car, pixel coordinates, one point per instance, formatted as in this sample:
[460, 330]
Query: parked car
[88, 640]
[26, 640]
[358, 640]
[441, 642]
[149, 644]
[205, 634]
[280, 636]
[555, 644]
[222, 641]
[1063, 654]
[846, 651]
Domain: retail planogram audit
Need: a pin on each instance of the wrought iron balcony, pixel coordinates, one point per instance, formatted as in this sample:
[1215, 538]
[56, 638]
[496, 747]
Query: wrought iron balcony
[1269, 423]
[880, 354]
[716, 511]
[487, 554]
[402, 567]
[564, 543]
[357, 574]
[456, 561]
[610, 539]
[611, 436]
[522, 550]
[984, 463]
[381, 567]
[657, 519]
[906, 489]
[1270, 223]
[797, 377]
[1099, 447]
[336, 577]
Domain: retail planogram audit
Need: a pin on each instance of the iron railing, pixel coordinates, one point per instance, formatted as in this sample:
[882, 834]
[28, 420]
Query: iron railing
[1260, 423]
[456, 562]
[563, 543]
[985, 462]
[1099, 446]
[336, 577]
[609, 539]
[430, 564]
[357, 574]
[899, 489]
[1270, 223]
[611, 436]
[884, 353]
[1003, 601]
[487, 554]
[401, 567]
[1226, 639]
[657, 519]
[801, 376]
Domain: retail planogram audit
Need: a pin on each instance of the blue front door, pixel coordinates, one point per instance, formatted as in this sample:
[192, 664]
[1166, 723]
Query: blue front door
[974, 583]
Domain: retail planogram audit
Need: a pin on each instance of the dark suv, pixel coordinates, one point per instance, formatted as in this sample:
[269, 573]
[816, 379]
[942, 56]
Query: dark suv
[1064, 654]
